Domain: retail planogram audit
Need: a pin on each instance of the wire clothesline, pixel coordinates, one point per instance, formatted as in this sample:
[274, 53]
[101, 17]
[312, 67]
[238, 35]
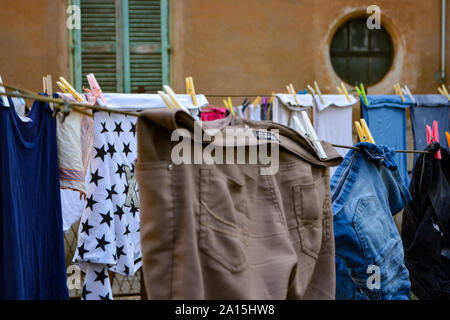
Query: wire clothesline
[76, 107]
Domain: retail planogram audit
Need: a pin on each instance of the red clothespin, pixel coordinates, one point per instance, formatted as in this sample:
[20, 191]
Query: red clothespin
[433, 136]
[95, 90]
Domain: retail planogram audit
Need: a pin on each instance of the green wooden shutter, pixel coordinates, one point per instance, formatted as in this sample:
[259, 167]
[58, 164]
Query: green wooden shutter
[124, 43]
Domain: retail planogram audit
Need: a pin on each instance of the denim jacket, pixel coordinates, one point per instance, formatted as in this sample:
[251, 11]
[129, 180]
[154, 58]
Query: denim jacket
[367, 190]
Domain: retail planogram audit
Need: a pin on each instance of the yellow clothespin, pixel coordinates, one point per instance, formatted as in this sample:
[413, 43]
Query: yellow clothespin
[339, 90]
[448, 137]
[61, 86]
[70, 89]
[367, 132]
[256, 102]
[174, 98]
[345, 92]
[316, 85]
[272, 98]
[230, 104]
[360, 131]
[190, 89]
[444, 89]
[399, 92]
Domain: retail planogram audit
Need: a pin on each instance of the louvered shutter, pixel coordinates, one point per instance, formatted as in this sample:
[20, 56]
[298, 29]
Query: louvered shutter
[124, 43]
[99, 43]
[145, 45]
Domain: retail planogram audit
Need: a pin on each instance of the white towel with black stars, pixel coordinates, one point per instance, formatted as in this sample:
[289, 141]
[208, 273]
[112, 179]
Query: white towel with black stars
[108, 235]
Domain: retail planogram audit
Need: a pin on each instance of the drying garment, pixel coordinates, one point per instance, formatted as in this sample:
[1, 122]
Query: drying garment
[32, 263]
[108, 235]
[367, 191]
[211, 113]
[74, 135]
[251, 112]
[333, 121]
[426, 226]
[285, 107]
[428, 108]
[386, 118]
[233, 231]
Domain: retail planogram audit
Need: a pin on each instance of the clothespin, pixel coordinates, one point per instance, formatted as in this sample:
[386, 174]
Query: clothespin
[358, 91]
[4, 98]
[61, 86]
[48, 88]
[408, 93]
[70, 89]
[364, 132]
[256, 102]
[313, 92]
[448, 137]
[308, 130]
[229, 105]
[174, 98]
[363, 93]
[316, 85]
[272, 98]
[399, 92]
[95, 90]
[339, 90]
[345, 92]
[444, 89]
[190, 89]
[167, 101]
[433, 136]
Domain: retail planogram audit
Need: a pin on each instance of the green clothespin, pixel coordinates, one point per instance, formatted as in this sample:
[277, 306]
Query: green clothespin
[358, 91]
[363, 92]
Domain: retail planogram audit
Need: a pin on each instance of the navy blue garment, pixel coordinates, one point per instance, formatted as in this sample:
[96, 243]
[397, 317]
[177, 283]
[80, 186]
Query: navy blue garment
[32, 261]
[386, 118]
[429, 107]
[367, 191]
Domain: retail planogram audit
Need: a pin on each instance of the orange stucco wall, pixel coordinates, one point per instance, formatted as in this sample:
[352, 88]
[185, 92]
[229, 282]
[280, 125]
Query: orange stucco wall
[244, 47]
[33, 41]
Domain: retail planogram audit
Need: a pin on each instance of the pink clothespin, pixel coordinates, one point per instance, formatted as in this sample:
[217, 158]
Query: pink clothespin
[433, 136]
[95, 90]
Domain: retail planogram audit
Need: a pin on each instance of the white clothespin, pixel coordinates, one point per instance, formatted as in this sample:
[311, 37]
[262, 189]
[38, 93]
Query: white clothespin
[308, 130]
[299, 125]
[408, 93]
[174, 98]
[4, 98]
[167, 101]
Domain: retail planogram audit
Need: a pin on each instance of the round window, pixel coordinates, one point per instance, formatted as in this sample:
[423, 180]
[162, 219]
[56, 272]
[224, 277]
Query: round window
[361, 55]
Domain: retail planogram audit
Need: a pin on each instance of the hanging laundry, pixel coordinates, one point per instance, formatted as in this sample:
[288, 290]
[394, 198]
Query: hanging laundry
[386, 118]
[333, 121]
[108, 236]
[213, 226]
[285, 107]
[367, 190]
[426, 226]
[211, 113]
[428, 108]
[74, 135]
[32, 266]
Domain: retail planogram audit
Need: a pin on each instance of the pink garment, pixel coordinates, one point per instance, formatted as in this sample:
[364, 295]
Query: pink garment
[213, 113]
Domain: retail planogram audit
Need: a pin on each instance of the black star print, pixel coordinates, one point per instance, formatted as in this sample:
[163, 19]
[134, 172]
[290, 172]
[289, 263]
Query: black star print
[82, 251]
[91, 202]
[133, 209]
[111, 150]
[132, 168]
[127, 270]
[120, 252]
[95, 178]
[104, 129]
[126, 149]
[118, 128]
[104, 297]
[111, 192]
[85, 292]
[119, 212]
[126, 187]
[86, 227]
[102, 243]
[106, 218]
[127, 230]
[100, 153]
[120, 170]
[101, 276]
[133, 129]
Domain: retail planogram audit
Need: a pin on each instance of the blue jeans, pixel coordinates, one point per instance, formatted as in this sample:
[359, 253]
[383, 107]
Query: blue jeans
[367, 190]
[386, 118]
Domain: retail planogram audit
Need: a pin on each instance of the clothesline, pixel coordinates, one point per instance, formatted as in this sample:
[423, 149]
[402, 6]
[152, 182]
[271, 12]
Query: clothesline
[59, 103]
